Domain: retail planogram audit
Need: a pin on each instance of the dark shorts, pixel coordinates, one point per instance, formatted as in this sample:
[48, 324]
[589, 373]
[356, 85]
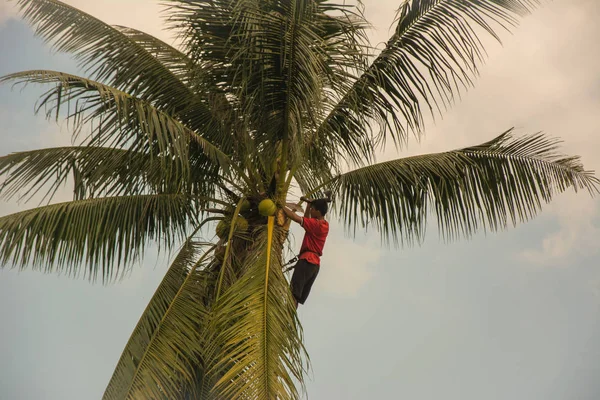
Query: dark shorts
[303, 278]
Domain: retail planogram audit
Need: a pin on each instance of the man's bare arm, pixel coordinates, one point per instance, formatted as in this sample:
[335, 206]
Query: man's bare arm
[307, 211]
[292, 215]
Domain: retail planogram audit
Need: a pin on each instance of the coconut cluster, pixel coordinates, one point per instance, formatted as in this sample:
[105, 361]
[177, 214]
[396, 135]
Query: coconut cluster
[266, 208]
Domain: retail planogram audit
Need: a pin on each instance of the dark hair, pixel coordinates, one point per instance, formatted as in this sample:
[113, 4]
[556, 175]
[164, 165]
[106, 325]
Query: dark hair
[320, 205]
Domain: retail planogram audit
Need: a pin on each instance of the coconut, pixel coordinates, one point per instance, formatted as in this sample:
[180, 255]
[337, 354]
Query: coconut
[266, 208]
[245, 206]
[222, 229]
[229, 210]
[241, 225]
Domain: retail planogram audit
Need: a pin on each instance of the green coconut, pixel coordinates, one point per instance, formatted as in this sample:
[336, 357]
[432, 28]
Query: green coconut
[241, 225]
[267, 207]
[222, 229]
[229, 210]
[245, 206]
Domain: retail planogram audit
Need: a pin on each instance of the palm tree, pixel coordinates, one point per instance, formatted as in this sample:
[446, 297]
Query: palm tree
[259, 99]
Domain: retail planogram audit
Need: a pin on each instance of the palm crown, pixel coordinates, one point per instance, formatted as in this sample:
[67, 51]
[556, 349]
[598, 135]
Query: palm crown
[258, 98]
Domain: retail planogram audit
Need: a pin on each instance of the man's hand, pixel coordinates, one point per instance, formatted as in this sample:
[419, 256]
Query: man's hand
[291, 214]
[295, 207]
[306, 199]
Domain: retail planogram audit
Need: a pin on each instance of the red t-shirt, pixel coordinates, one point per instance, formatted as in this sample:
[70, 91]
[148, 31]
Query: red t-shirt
[314, 239]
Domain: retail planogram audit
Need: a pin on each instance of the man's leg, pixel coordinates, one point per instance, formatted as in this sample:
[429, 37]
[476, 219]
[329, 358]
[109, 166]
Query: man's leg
[312, 272]
[299, 278]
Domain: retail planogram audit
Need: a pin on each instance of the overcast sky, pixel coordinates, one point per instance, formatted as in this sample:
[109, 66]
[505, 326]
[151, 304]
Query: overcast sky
[513, 315]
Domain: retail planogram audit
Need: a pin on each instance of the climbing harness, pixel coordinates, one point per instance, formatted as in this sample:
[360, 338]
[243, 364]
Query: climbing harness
[293, 260]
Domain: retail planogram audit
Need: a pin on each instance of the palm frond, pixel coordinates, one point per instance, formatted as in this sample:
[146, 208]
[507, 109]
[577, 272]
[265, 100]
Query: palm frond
[106, 53]
[317, 169]
[434, 53]
[228, 249]
[122, 119]
[276, 59]
[482, 187]
[172, 58]
[95, 171]
[163, 357]
[260, 355]
[103, 234]
[209, 110]
[130, 61]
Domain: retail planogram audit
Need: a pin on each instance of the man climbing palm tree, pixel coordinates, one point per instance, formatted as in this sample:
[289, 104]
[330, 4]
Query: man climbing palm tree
[309, 261]
[170, 140]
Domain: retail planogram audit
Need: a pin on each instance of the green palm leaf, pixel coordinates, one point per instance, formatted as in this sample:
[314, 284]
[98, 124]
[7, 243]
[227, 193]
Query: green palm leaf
[256, 330]
[276, 59]
[209, 110]
[130, 61]
[163, 357]
[102, 233]
[176, 61]
[486, 186]
[95, 171]
[123, 120]
[106, 53]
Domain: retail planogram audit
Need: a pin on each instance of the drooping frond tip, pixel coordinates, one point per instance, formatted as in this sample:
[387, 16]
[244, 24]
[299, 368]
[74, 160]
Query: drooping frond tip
[104, 233]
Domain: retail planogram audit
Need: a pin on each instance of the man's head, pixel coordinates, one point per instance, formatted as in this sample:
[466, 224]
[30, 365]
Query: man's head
[318, 208]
